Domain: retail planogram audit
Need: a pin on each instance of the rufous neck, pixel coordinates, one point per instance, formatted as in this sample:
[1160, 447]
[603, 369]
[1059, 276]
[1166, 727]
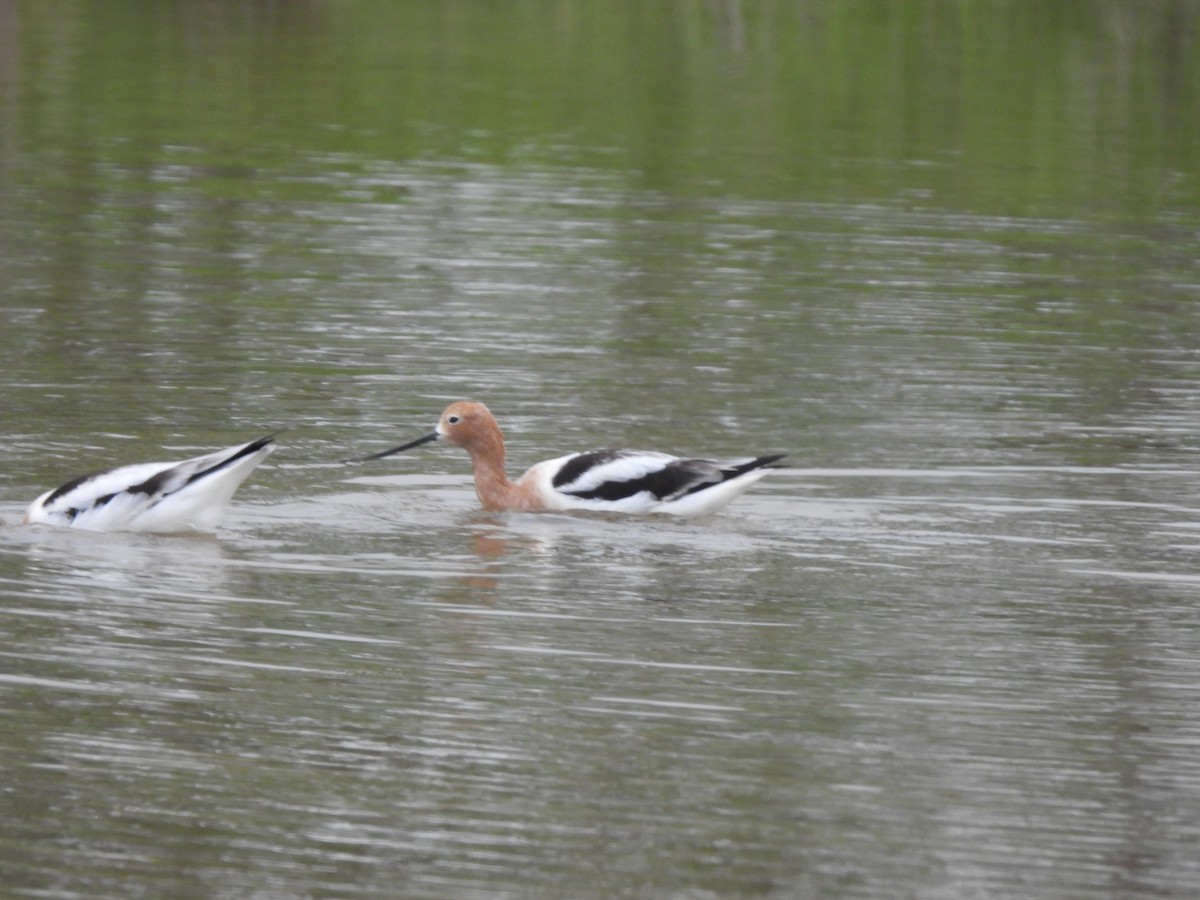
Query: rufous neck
[491, 479]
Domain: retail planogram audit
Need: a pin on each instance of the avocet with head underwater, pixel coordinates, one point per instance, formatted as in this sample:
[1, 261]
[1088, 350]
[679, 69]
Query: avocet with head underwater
[162, 497]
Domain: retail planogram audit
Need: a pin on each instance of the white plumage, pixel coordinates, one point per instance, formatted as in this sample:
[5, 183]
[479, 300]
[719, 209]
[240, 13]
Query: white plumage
[165, 497]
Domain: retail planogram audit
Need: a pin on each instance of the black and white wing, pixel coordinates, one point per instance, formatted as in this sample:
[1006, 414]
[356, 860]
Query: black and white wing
[639, 481]
[172, 496]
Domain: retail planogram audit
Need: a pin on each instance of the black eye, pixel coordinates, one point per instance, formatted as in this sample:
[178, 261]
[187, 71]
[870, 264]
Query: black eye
[453, 420]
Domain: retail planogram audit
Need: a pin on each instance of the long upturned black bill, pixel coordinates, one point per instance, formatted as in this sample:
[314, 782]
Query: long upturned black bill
[417, 443]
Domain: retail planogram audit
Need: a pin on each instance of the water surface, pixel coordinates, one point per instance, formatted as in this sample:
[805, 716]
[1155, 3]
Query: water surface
[951, 650]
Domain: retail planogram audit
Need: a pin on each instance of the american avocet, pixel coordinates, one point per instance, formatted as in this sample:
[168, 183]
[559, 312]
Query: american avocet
[625, 481]
[171, 496]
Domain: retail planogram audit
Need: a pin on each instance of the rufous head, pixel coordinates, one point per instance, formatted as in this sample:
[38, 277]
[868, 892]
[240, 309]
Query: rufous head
[465, 424]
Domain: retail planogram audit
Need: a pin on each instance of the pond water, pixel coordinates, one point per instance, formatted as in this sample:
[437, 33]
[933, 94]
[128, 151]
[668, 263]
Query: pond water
[943, 255]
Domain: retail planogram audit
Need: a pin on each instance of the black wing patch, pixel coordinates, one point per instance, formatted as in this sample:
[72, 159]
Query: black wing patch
[160, 482]
[676, 479]
[164, 482]
[733, 470]
[250, 448]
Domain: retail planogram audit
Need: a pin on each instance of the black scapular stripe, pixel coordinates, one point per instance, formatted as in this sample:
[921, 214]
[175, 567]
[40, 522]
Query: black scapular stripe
[574, 468]
[70, 486]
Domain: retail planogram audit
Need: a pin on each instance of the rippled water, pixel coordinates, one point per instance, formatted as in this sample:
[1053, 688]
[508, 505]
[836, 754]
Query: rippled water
[860, 678]
[952, 647]
[951, 650]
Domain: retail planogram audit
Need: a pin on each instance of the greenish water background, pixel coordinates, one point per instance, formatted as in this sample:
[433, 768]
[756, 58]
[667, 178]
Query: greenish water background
[944, 254]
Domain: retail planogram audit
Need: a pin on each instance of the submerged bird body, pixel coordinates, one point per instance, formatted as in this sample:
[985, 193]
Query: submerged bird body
[171, 496]
[622, 481]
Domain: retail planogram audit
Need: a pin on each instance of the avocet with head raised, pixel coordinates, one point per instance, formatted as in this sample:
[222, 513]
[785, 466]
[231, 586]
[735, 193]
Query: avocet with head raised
[623, 481]
[165, 497]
